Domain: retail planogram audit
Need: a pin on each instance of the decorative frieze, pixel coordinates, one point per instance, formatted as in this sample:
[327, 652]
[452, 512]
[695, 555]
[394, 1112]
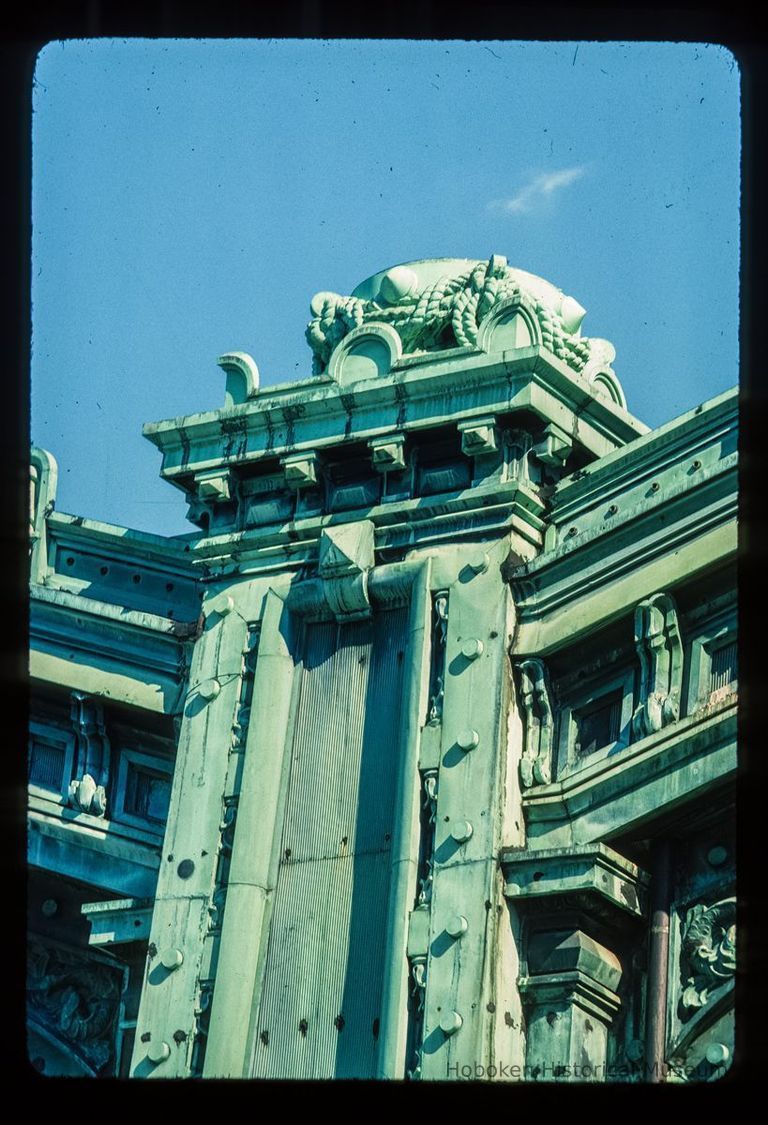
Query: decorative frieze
[437, 669]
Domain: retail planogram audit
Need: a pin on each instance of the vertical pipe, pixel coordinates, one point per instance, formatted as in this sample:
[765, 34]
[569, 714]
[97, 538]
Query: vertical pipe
[658, 962]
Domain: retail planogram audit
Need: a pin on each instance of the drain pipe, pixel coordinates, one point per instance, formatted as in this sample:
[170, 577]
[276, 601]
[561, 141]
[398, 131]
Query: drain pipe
[658, 962]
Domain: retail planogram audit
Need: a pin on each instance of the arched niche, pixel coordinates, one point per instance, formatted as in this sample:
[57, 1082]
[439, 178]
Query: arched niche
[509, 325]
[366, 352]
[607, 382]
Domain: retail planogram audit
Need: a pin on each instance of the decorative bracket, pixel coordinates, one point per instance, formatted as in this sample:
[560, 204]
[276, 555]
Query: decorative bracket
[660, 652]
[536, 762]
[584, 875]
[213, 485]
[87, 792]
[555, 447]
[387, 453]
[479, 437]
[345, 558]
[300, 469]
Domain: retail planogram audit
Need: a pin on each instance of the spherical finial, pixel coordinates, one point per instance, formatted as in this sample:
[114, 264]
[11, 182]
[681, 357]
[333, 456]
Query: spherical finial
[397, 283]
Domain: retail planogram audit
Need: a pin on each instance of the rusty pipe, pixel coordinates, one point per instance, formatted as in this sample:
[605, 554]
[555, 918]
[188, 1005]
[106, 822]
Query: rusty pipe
[658, 965]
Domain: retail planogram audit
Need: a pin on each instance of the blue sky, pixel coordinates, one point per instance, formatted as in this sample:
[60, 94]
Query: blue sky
[190, 196]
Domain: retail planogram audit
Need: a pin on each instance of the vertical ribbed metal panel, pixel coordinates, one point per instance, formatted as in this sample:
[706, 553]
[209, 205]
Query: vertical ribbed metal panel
[723, 671]
[319, 1010]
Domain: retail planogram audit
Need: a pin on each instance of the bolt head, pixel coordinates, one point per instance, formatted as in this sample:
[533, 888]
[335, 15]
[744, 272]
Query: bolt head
[461, 831]
[158, 1052]
[479, 562]
[450, 1023]
[209, 689]
[472, 648]
[717, 856]
[221, 604]
[717, 1054]
[171, 958]
[456, 925]
[468, 739]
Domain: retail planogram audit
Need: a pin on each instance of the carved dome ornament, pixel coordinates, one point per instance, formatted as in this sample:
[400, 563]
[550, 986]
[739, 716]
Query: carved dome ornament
[437, 304]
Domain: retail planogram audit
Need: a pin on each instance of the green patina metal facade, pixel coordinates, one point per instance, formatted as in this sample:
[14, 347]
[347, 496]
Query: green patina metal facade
[417, 760]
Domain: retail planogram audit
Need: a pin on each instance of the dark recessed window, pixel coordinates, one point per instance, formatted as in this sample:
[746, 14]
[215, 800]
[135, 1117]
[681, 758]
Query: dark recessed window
[147, 794]
[598, 724]
[724, 668]
[46, 765]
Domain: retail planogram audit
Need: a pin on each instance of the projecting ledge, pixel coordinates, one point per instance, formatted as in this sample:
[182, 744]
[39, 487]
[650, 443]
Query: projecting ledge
[623, 791]
[119, 920]
[592, 870]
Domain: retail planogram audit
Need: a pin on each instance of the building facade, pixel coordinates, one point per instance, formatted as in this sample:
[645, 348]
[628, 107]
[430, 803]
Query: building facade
[417, 759]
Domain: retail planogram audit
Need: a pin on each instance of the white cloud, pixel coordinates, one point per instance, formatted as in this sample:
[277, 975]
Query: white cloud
[540, 187]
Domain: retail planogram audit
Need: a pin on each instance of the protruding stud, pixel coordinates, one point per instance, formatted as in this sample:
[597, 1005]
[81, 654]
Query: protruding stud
[717, 856]
[468, 739]
[717, 1054]
[209, 689]
[221, 604]
[461, 831]
[171, 958]
[479, 562]
[450, 1023]
[456, 925]
[158, 1052]
[472, 648]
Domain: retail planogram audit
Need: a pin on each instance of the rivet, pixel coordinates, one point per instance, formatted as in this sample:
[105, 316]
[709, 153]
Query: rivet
[158, 1052]
[717, 856]
[472, 648]
[450, 1023]
[572, 531]
[171, 958]
[456, 925]
[209, 689]
[50, 907]
[613, 509]
[479, 562]
[717, 1054]
[461, 831]
[468, 739]
[696, 465]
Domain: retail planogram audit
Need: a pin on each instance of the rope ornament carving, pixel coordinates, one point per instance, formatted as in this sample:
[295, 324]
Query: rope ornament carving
[445, 314]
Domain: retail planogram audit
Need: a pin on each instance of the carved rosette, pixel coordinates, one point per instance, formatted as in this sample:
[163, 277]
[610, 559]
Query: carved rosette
[708, 956]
